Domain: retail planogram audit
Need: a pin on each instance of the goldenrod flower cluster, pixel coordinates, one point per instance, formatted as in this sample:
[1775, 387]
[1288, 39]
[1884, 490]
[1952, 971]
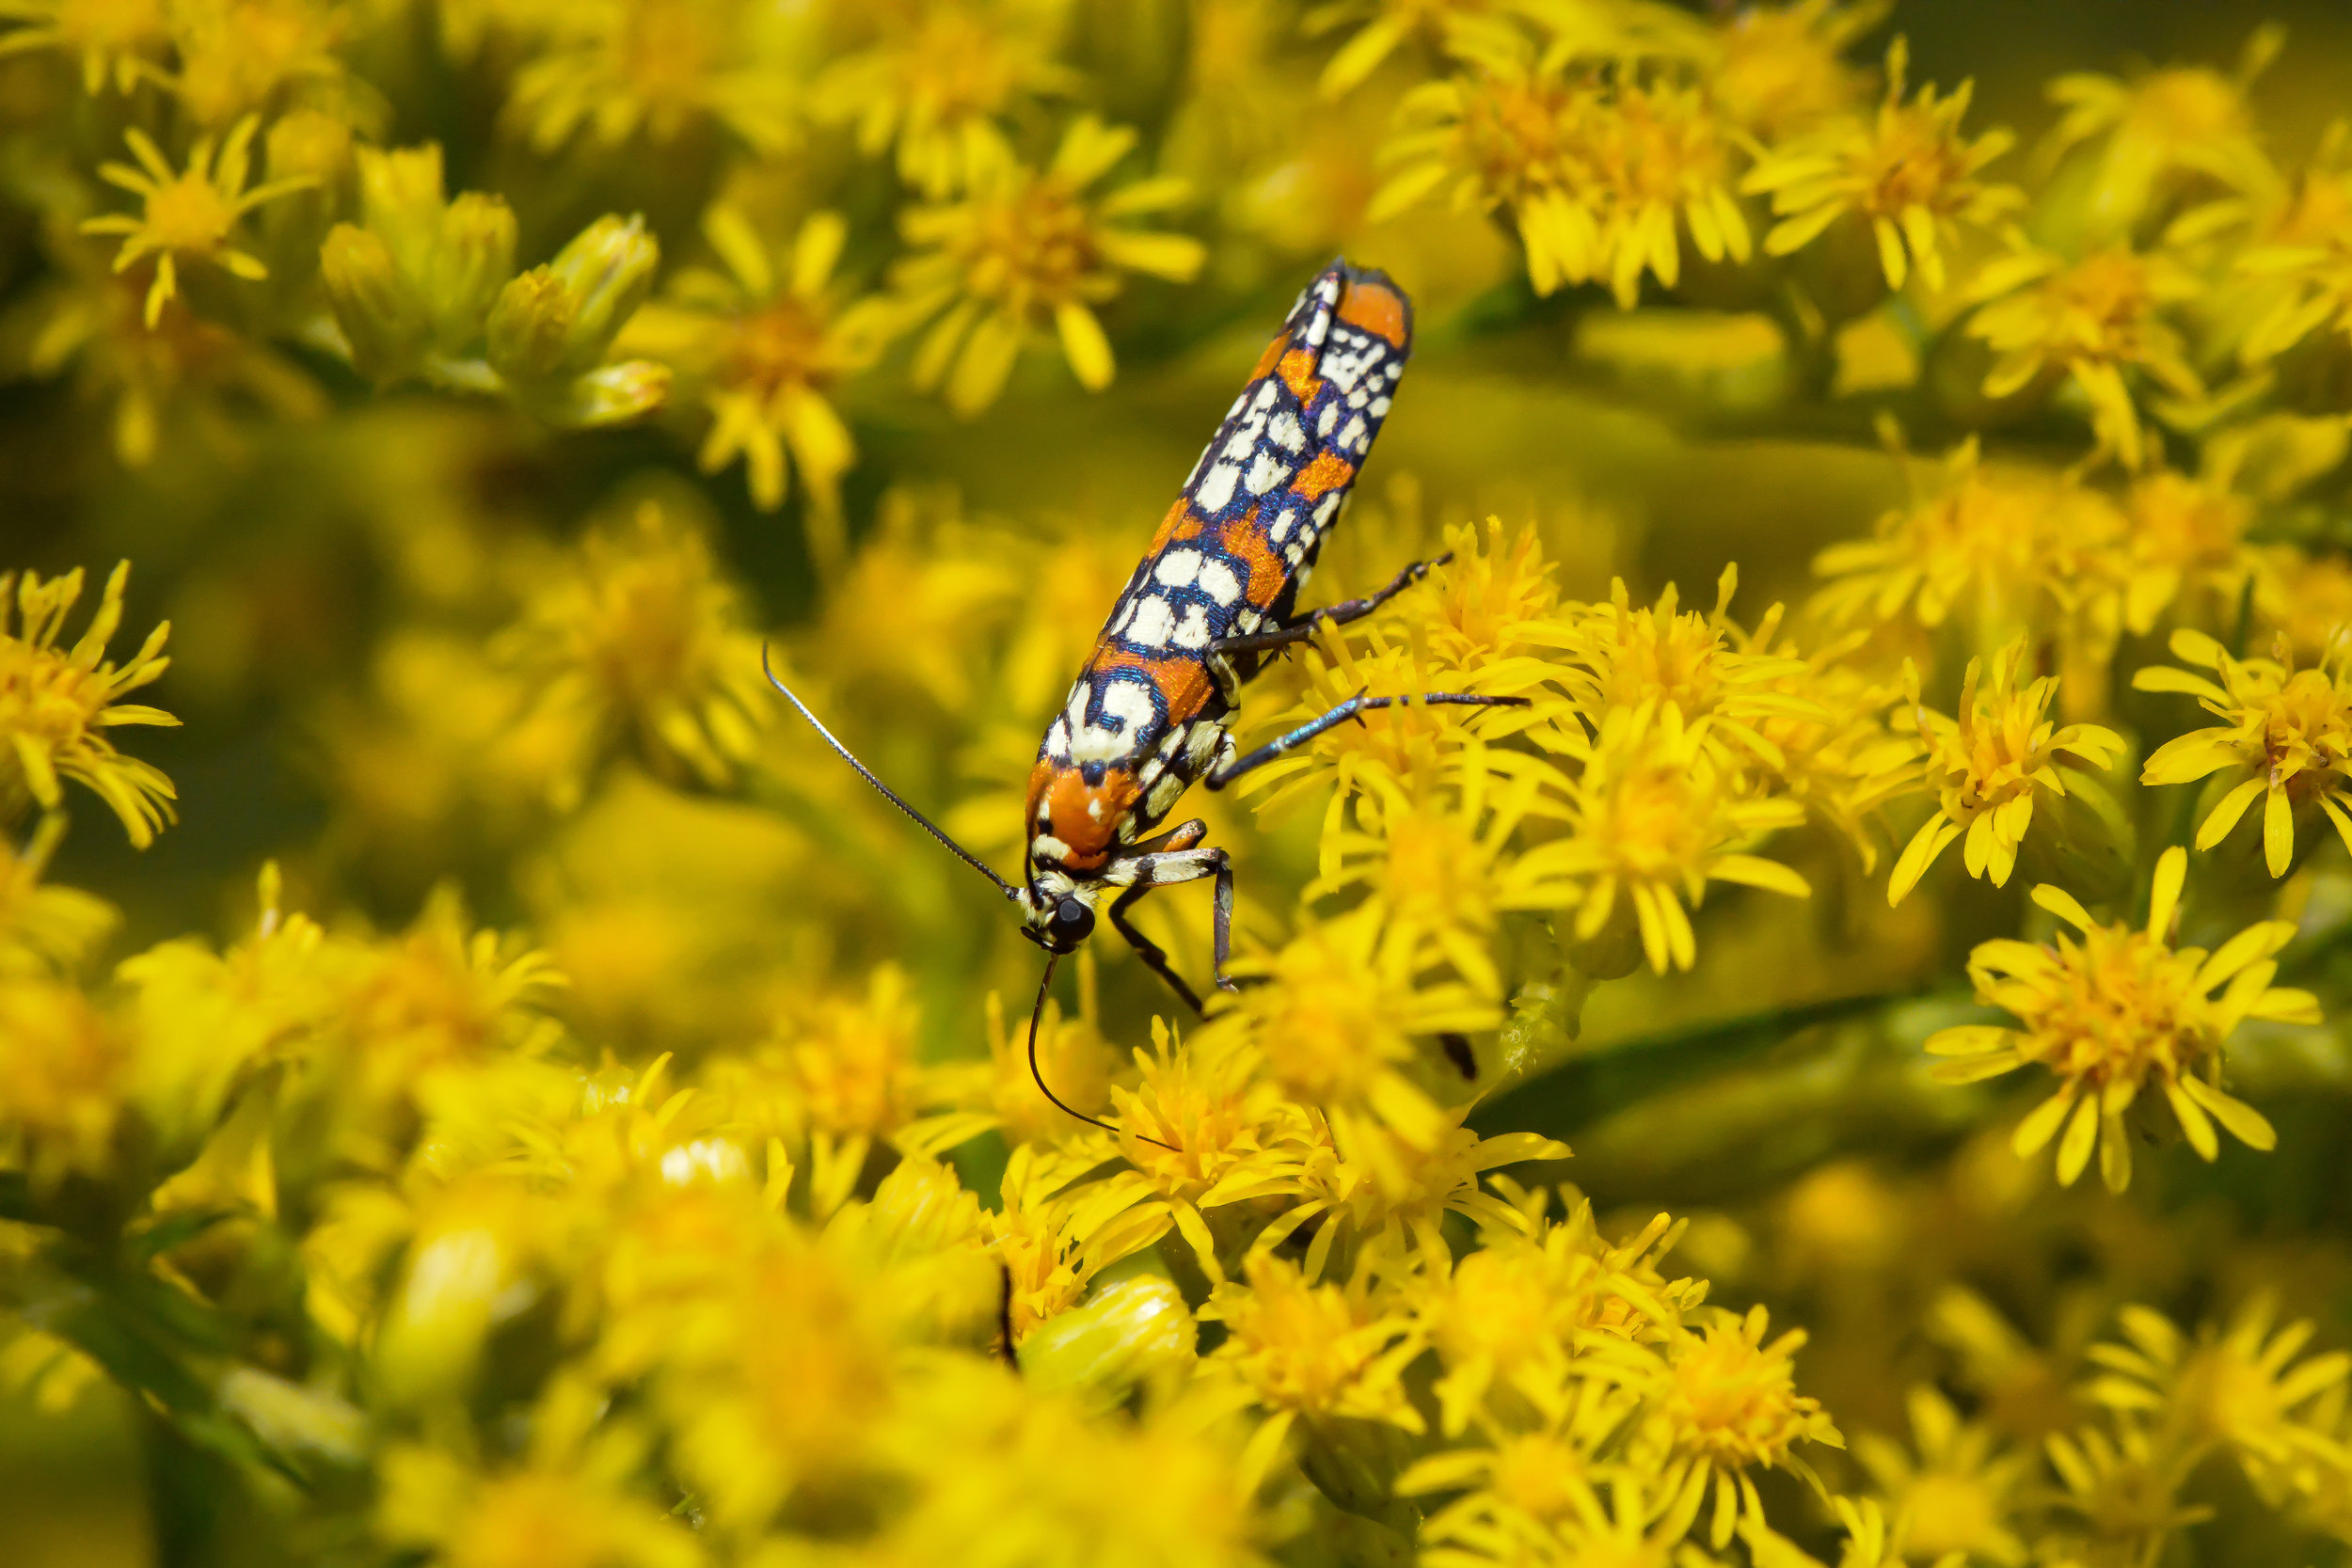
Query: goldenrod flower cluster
[482, 1084]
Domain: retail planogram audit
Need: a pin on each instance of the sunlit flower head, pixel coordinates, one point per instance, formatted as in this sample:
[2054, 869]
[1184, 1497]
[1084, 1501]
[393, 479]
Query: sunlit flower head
[1604, 173]
[1312, 1352]
[1654, 818]
[187, 215]
[1988, 766]
[1961, 1494]
[1052, 1244]
[1477, 612]
[1440, 878]
[1512, 1317]
[2099, 321]
[2003, 549]
[1027, 249]
[1731, 1403]
[1697, 662]
[1910, 174]
[2146, 138]
[2285, 737]
[1339, 1010]
[614, 69]
[57, 704]
[1780, 69]
[767, 340]
[2247, 1389]
[116, 41]
[2116, 1009]
[638, 639]
[938, 80]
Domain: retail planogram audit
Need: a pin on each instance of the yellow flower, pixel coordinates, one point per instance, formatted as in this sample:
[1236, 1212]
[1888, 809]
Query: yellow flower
[237, 57]
[2147, 140]
[2115, 1010]
[1440, 879]
[1653, 819]
[567, 1505]
[1025, 248]
[2243, 1388]
[2187, 543]
[1052, 1243]
[1510, 1322]
[1602, 172]
[2288, 733]
[1729, 1404]
[2302, 260]
[67, 1076]
[45, 931]
[1777, 70]
[1310, 1353]
[1696, 662]
[1988, 766]
[193, 213]
[939, 78]
[1910, 176]
[639, 637]
[1337, 1014]
[115, 39]
[617, 67]
[56, 704]
[2093, 322]
[768, 341]
[1961, 1496]
[2124, 1487]
[2011, 549]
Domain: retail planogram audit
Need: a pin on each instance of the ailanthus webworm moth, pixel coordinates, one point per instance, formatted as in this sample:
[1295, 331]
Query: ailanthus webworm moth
[1214, 595]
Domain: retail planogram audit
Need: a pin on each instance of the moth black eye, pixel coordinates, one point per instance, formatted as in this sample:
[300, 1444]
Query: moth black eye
[1073, 923]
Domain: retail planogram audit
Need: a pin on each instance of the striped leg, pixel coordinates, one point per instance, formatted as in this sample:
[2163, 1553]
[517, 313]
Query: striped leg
[1355, 707]
[1338, 614]
[1164, 870]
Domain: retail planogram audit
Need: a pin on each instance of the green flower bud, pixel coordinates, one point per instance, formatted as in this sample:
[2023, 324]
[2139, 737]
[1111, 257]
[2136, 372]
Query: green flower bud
[470, 264]
[607, 272]
[382, 318]
[530, 325]
[400, 193]
[611, 394]
[1131, 1331]
[2081, 840]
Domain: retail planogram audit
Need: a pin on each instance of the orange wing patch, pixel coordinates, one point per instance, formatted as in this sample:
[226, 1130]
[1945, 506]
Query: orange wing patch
[1377, 308]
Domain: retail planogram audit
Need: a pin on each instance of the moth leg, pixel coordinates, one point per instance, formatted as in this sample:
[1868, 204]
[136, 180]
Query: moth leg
[1337, 616]
[1175, 841]
[1165, 868]
[1226, 771]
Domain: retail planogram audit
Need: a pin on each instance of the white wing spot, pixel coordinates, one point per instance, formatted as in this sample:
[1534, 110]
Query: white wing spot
[1378, 408]
[1150, 623]
[1163, 794]
[1177, 568]
[1287, 433]
[1266, 473]
[1192, 632]
[1354, 439]
[1215, 490]
[1218, 581]
[1327, 419]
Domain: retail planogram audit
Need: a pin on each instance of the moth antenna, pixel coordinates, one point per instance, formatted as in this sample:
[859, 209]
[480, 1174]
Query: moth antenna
[1036, 1013]
[887, 793]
